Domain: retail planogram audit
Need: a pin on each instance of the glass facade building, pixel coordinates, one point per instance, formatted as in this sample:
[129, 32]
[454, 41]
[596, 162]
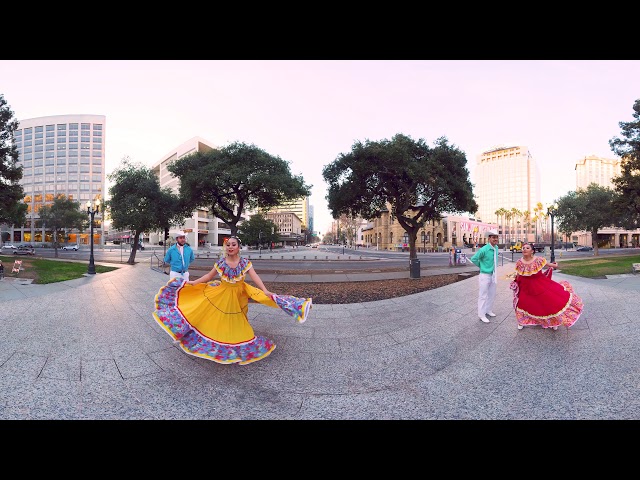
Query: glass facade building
[60, 154]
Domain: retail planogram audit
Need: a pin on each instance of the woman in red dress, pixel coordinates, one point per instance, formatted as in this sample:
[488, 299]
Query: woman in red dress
[539, 300]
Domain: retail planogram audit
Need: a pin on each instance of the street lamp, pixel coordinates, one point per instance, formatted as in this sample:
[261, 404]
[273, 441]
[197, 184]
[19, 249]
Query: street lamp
[91, 270]
[260, 240]
[552, 210]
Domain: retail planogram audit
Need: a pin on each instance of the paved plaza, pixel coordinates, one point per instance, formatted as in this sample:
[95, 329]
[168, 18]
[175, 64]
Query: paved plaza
[90, 349]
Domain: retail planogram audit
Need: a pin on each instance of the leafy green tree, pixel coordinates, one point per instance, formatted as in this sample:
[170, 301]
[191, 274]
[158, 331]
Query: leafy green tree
[417, 181]
[62, 214]
[249, 231]
[587, 209]
[12, 209]
[139, 204]
[236, 178]
[628, 183]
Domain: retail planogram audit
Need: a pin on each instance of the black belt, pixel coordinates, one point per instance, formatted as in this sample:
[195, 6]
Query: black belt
[179, 271]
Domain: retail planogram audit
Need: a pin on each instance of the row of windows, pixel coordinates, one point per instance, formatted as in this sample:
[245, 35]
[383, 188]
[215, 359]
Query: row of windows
[48, 197]
[61, 126]
[87, 140]
[49, 174]
[73, 156]
[60, 160]
[73, 137]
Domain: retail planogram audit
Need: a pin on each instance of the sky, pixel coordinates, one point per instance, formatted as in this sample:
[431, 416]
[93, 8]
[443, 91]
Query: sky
[309, 112]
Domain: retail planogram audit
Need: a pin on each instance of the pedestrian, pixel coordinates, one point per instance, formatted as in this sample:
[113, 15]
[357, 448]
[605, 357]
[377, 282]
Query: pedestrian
[179, 256]
[539, 300]
[487, 260]
[208, 318]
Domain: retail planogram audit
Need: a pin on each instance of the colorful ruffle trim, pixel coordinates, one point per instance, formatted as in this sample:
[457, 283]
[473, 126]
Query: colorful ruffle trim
[569, 314]
[171, 320]
[297, 307]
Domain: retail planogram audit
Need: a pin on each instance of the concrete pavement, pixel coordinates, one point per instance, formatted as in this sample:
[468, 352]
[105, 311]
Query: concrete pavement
[90, 349]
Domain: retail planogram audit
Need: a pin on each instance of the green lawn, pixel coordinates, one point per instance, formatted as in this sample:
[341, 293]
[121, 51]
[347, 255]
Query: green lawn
[598, 267]
[44, 271]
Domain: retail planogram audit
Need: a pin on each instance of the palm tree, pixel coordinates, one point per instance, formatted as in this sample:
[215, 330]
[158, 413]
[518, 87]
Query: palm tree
[515, 214]
[527, 222]
[500, 213]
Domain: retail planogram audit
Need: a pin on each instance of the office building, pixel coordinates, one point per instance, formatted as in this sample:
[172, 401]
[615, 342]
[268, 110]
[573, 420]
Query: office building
[601, 171]
[202, 228]
[598, 170]
[60, 154]
[507, 178]
[300, 207]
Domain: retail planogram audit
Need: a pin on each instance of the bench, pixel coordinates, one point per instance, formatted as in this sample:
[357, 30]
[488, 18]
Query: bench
[635, 267]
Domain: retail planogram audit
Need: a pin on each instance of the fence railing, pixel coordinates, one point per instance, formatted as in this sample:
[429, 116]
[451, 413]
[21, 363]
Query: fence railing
[157, 264]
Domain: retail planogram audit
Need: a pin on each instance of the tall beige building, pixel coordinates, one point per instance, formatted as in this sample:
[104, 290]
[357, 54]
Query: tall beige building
[506, 177]
[300, 207]
[599, 170]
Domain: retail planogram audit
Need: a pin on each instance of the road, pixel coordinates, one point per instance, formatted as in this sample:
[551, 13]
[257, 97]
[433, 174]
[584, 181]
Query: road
[371, 259]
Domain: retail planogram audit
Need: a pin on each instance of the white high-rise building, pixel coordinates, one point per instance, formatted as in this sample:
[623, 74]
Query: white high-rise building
[202, 228]
[599, 170]
[60, 154]
[506, 177]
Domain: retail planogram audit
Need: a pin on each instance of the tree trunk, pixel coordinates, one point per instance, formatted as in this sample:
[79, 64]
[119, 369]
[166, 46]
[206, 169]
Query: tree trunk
[134, 249]
[594, 241]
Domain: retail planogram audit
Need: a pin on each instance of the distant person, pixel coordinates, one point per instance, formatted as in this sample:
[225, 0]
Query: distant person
[487, 260]
[179, 256]
[210, 319]
[539, 300]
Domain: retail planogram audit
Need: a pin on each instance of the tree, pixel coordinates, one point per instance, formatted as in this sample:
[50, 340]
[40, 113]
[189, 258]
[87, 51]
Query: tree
[589, 209]
[12, 209]
[63, 213]
[139, 204]
[250, 231]
[628, 183]
[418, 182]
[236, 178]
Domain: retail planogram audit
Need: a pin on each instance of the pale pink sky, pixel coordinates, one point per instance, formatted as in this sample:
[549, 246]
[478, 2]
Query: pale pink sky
[309, 111]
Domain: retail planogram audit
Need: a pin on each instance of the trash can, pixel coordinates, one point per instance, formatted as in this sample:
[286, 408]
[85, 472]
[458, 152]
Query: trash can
[414, 268]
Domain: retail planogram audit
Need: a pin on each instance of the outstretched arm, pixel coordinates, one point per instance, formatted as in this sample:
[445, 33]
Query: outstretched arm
[258, 281]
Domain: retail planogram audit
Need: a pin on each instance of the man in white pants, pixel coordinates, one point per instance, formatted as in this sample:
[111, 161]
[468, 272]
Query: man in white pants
[179, 256]
[487, 259]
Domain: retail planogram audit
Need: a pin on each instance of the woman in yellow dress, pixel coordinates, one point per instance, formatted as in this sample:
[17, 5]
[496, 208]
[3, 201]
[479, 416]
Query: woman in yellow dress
[208, 318]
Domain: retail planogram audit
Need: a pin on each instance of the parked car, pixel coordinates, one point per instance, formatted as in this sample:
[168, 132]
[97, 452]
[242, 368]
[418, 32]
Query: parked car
[24, 250]
[70, 247]
[9, 245]
[585, 248]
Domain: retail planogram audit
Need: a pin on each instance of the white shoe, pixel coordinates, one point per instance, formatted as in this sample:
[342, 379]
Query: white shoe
[484, 319]
[491, 314]
[520, 327]
[555, 328]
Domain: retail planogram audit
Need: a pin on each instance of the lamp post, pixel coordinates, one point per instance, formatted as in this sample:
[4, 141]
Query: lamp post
[91, 270]
[552, 210]
[260, 241]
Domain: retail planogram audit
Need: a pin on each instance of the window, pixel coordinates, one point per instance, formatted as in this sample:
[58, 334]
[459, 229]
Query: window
[73, 126]
[85, 126]
[49, 140]
[62, 126]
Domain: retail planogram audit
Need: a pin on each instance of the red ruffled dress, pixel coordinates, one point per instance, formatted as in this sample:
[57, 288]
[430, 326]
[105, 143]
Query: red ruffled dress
[539, 300]
[209, 320]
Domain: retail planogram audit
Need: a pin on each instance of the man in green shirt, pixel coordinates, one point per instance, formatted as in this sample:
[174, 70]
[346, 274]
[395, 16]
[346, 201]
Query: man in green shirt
[487, 259]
